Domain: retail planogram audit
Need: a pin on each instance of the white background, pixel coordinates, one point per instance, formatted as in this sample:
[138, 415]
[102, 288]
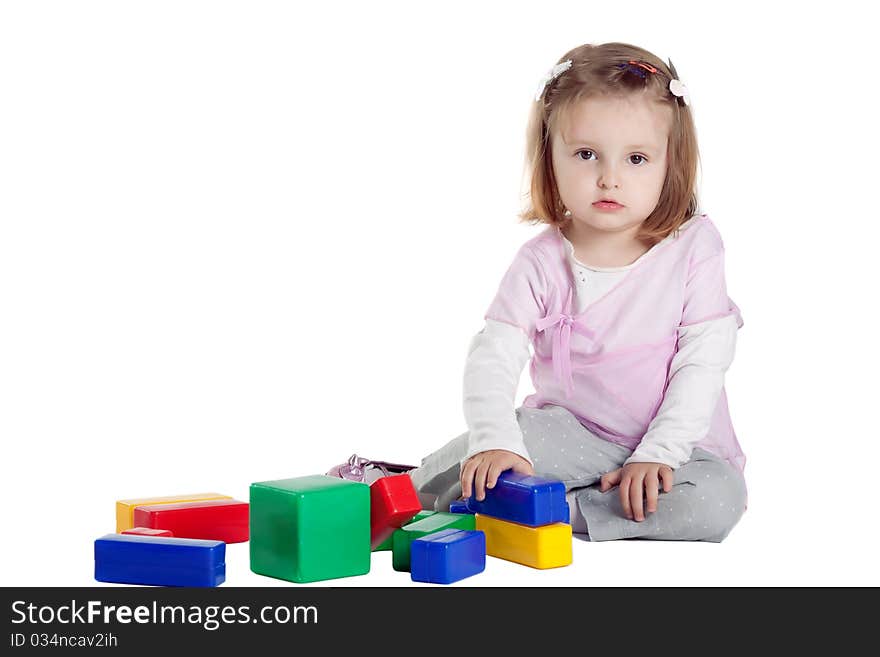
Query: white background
[241, 240]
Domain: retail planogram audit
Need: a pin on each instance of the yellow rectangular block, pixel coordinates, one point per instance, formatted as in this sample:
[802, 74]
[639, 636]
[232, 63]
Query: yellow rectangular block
[125, 508]
[547, 546]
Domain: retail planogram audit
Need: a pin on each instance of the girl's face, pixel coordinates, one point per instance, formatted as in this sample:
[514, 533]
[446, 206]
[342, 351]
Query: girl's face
[611, 148]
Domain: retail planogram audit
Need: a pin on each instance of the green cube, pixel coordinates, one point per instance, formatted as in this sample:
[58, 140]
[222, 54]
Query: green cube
[389, 542]
[310, 528]
[403, 537]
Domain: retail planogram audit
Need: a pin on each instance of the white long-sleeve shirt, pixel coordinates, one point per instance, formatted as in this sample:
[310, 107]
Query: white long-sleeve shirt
[500, 351]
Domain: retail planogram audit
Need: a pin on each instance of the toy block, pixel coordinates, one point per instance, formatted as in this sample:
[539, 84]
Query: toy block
[147, 531]
[216, 520]
[388, 542]
[125, 508]
[523, 499]
[447, 556]
[421, 515]
[459, 506]
[393, 501]
[548, 546]
[403, 537]
[159, 560]
[310, 528]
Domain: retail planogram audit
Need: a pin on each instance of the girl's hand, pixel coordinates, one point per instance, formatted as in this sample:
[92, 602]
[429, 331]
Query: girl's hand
[633, 477]
[481, 470]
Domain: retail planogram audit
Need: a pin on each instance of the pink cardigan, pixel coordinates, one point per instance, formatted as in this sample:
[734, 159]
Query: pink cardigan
[609, 365]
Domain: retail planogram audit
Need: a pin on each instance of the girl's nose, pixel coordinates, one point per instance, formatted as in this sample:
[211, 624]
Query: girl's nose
[608, 178]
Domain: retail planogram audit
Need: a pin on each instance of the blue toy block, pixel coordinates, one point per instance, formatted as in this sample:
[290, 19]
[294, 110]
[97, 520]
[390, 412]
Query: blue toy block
[458, 506]
[159, 560]
[447, 556]
[528, 500]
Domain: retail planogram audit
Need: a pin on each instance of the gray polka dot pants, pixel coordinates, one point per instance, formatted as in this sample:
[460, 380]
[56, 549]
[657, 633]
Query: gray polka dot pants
[706, 501]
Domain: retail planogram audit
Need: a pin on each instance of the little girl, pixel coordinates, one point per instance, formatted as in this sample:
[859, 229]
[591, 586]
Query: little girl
[623, 300]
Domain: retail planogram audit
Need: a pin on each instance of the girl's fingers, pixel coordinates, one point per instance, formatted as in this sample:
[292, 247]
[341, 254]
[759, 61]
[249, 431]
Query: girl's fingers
[495, 469]
[652, 488]
[467, 478]
[480, 481]
[624, 497]
[609, 480]
[635, 498]
[668, 479]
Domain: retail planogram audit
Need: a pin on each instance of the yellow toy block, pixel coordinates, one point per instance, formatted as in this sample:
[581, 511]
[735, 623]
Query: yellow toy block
[546, 546]
[125, 508]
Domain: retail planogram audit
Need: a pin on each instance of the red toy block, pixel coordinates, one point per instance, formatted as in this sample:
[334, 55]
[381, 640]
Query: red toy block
[216, 520]
[393, 501]
[147, 531]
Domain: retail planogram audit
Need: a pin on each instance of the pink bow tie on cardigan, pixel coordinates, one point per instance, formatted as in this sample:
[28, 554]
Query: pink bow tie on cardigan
[565, 322]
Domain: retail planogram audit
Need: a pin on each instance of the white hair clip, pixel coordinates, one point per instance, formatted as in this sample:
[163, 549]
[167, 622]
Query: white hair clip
[551, 75]
[677, 88]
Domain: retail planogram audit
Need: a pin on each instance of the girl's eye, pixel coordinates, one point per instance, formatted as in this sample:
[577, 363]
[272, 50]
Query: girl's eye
[586, 159]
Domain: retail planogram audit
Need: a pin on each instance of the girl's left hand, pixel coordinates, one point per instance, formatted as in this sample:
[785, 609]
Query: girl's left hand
[633, 478]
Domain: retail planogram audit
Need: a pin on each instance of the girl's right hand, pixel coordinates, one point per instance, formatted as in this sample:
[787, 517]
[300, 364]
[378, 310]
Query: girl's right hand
[481, 471]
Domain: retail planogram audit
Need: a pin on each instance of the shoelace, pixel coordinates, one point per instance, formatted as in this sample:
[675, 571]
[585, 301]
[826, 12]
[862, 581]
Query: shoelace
[356, 468]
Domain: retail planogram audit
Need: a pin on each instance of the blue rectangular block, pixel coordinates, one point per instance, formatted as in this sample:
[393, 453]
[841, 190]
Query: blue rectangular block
[525, 499]
[447, 556]
[159, 560]
[458, 506]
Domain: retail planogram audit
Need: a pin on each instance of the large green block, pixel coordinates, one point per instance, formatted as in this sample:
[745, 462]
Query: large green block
[403, 537]
[388, 543]
[310, 528]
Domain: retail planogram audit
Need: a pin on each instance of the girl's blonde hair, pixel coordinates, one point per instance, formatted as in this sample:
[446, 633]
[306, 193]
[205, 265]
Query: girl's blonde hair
[595, 71]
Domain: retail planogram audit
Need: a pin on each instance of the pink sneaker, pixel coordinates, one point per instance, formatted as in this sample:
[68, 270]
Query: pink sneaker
[365, 470]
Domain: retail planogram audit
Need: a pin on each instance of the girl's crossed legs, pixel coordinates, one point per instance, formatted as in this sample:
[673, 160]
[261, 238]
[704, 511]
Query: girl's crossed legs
[706, 501]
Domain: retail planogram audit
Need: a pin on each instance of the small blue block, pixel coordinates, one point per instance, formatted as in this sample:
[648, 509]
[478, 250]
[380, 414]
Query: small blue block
[159, 560]
[528, 500]
[447, 556]
[458, 506]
